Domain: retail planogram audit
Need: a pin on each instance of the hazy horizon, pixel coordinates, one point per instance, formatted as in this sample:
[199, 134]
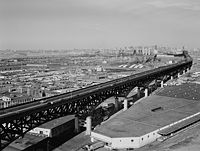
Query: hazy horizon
[68, 24]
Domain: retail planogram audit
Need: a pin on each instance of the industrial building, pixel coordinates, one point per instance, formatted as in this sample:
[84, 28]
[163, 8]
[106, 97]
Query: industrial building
[40, 137]
[150, 119]
[55, 127]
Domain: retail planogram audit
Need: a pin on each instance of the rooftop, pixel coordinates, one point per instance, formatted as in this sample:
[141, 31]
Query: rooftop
[57, 122]
[23, 143]
[153, 113]
[186, 90]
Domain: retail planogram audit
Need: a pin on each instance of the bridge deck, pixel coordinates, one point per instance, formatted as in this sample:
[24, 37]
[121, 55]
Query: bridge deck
[141, 119]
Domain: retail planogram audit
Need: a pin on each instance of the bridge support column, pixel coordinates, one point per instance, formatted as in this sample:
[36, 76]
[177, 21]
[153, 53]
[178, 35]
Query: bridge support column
[146, 92]
[88, 125]
[138, 92]
[162, 84]
[172, 77]
[178, 75]
[116, 103]
[156, 83]
[125, 104]
[77, 128]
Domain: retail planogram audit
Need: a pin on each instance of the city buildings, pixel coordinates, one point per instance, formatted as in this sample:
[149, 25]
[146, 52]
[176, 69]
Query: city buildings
[12, 99]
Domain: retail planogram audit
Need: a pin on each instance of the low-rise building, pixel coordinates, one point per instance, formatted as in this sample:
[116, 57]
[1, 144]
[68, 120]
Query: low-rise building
[12, 99]
[151, 119]
[45, 136]
[55, 127]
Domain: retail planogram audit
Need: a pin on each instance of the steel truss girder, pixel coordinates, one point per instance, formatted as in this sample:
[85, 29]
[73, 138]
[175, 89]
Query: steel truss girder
[12, 129]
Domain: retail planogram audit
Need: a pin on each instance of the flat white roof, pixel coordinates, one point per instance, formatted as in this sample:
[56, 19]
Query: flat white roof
[140, 119]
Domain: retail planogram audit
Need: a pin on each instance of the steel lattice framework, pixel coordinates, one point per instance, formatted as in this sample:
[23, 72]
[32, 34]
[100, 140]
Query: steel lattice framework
[18, 121]
[12, 129]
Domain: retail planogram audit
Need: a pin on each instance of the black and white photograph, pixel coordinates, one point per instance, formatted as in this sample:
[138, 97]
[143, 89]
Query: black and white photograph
[99, 75]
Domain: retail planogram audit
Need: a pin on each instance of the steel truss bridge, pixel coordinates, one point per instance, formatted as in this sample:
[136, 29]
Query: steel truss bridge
[16, 121]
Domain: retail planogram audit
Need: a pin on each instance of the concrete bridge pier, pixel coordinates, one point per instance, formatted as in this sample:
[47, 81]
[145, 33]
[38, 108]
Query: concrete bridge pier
[116, 103]
[156, 83]
[88, 125]
[138, 92]
[77, 127]
[178, 75]
[162, 84]
[125, 104]
[146, 92]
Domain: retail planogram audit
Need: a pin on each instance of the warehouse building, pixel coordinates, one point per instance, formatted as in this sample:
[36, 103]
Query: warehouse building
[150, 119]
[55, 127]
[41, 137]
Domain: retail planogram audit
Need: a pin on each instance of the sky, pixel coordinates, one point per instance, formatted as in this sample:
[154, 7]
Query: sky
[69, 24]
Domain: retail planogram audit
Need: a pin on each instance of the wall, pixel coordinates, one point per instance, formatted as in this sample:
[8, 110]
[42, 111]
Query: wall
[67, 126]
[128, 142]
[101, 137]
[40, 131]
[148, 138]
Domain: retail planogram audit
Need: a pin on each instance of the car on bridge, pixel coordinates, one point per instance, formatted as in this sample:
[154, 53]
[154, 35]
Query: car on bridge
[50, 102]
[43, 101]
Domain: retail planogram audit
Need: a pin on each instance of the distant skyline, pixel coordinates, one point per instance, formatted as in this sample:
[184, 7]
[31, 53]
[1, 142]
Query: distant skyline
[68, 24]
